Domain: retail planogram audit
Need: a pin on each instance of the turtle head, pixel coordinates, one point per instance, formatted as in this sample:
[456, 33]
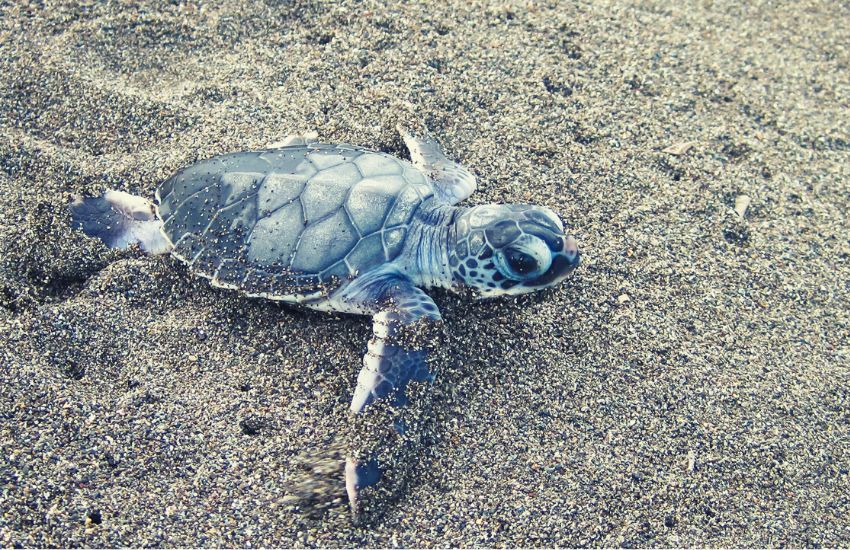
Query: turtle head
[510, 249]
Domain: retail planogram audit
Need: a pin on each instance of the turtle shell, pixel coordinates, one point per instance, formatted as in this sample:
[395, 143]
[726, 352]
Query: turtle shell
[291, 223]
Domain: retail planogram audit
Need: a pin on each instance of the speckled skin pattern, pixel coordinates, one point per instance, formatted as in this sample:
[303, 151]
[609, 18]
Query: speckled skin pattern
[510, 249]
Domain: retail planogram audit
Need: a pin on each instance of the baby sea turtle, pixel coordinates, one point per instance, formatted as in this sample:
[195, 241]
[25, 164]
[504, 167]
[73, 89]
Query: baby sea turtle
[341, 228]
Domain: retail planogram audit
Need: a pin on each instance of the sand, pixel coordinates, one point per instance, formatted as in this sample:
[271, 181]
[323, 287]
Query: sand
[687, 386]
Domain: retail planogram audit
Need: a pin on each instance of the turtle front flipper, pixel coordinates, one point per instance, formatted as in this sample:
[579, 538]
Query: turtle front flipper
[385, 436]
[388, 365]
[452, 182]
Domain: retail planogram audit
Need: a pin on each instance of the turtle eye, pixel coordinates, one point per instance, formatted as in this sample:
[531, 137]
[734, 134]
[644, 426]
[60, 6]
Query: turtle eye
[524, 260]
[520, 263]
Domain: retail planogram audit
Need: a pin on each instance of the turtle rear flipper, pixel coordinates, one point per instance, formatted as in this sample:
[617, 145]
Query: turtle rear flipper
[119, 220]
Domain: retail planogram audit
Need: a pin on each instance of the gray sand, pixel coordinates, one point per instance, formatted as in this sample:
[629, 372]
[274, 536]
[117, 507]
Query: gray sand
[688, 386]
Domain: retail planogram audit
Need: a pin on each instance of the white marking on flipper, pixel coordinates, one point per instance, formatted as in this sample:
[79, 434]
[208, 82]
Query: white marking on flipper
[149, 236]
[134, 207]
[366, 380]
[351, 485]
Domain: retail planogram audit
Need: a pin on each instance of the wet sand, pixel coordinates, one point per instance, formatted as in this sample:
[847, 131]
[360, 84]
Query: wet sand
[687, 386]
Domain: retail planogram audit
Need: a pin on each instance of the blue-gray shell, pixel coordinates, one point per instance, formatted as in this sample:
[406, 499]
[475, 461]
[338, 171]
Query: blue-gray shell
[293, 222]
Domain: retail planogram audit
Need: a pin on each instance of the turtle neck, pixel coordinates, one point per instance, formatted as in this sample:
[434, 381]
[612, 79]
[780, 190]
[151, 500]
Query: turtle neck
[425, 258]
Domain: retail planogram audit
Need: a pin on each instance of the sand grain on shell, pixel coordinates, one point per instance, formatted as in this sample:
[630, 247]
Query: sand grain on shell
[139, 406]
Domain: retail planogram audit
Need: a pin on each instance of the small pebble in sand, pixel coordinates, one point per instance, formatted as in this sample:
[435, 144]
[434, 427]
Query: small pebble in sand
[742, 203]
[680, 148]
